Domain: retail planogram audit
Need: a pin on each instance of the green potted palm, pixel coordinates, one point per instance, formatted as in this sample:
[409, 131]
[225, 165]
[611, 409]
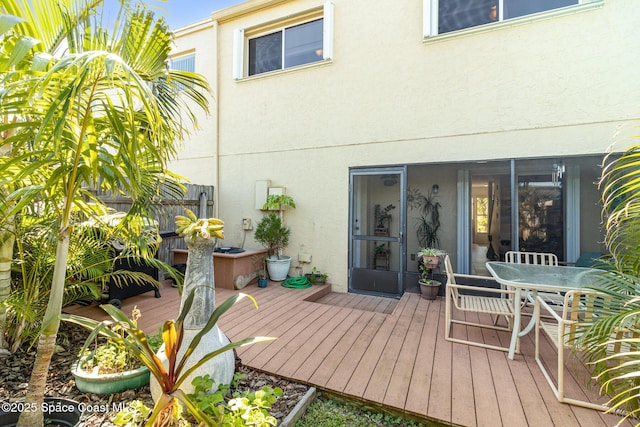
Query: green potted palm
[274, 235]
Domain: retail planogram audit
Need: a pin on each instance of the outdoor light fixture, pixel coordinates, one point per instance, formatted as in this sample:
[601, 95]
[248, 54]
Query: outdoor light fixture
[556, 174]
[435, 188]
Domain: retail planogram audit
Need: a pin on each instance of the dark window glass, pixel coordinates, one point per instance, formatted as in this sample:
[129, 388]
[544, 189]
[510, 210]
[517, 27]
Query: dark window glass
[303, 44]
[265, 53]
[458, 14]
[515, 8]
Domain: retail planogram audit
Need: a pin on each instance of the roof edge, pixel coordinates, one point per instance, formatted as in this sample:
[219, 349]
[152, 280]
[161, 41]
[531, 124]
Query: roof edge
[244, 8]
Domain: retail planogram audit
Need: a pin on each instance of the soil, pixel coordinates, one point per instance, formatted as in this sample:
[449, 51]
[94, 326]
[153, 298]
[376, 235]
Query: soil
[16, 368]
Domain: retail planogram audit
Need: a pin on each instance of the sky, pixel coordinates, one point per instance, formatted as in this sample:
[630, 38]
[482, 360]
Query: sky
[179, 13]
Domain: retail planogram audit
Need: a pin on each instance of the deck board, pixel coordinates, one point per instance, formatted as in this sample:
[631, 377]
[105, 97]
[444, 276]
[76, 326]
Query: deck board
[387, 351]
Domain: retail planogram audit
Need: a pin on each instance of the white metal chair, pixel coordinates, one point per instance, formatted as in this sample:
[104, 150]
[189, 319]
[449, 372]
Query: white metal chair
[538, 258]
[467, 302]
[578, 308]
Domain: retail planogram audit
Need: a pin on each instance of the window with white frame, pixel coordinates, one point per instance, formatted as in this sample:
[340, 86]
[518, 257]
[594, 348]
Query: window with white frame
[445, 16]
[297, 40]
[183, 63]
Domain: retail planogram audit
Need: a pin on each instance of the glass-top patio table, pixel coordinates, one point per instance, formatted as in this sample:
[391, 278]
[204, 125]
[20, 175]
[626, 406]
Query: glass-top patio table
[535, 277]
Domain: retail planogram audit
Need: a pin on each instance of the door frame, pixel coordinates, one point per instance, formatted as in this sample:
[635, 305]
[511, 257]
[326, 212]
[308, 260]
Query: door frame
[355, 207]
[571, 209]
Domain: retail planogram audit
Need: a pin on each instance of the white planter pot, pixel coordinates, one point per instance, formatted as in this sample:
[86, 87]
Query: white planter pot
[278, 268]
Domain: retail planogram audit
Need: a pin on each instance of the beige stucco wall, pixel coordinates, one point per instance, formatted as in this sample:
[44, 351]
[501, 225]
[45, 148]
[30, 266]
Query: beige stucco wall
[553, 87]
[197, 160]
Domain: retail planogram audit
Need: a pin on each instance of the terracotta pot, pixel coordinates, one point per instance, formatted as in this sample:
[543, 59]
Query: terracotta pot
[431, 261]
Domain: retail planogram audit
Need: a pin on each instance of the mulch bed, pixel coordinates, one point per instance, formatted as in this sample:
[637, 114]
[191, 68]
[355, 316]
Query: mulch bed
[15, 370]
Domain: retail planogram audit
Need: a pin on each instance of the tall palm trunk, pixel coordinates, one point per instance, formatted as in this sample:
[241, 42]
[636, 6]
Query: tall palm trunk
[7, 240]
[48, 334]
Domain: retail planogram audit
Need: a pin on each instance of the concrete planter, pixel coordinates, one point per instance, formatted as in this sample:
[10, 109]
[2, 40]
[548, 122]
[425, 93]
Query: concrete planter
[278, 268]
[88, 382]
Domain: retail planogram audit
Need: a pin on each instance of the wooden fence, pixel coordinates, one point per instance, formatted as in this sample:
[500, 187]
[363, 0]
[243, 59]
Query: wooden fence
[198, 198]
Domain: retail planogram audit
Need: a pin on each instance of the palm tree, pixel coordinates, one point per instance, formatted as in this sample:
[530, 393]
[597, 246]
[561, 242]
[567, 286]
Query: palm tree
[26, 49]
[105, 113]
[618, 326]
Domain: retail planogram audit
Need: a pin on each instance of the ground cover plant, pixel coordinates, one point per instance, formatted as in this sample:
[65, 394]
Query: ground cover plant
[328, 412]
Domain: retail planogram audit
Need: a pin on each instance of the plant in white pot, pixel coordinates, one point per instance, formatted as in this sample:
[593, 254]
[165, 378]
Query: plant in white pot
[274, 235]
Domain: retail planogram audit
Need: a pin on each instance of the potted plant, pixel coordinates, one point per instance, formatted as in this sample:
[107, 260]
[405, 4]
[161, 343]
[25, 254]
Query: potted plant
[274, 235]
[429, 287]
[260, 263]
[430, 256]
[110, 367]
[316, 276]
[170, 377]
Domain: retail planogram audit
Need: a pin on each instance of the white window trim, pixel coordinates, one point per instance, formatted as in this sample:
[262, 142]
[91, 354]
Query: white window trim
[430, 19]
[240, 46]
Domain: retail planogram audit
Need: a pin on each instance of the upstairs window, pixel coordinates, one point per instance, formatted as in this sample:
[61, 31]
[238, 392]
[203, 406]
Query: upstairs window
[296, 45]
[445, 16]
[297, 40]
[183, 63]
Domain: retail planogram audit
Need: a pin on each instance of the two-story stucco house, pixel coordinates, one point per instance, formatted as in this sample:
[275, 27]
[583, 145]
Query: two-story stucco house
[499, 111]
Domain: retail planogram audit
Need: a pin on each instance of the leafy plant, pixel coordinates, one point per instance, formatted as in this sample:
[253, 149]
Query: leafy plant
[328, 412]
[382, 216]
[167, 409]
[84, 107]
[89, 268]
[277, 201]
[247, 408]
[260, 263]
[428, 224]
[134, 416]
[272, 234]
[242, 408]
[112, 355]
[618, 371]
[430, 252]
[271, 231]
[426, 274]
[317, 276]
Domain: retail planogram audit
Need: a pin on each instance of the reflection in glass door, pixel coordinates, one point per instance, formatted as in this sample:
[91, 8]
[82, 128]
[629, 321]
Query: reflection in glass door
[540, 214]
[376, 229]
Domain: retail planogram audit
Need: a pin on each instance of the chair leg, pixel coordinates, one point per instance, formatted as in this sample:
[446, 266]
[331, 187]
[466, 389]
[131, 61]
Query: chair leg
[447, 313]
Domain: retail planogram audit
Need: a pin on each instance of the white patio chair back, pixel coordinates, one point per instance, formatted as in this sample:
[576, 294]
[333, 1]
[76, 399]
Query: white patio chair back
[540, 258]
[580, 306]
[468, 301]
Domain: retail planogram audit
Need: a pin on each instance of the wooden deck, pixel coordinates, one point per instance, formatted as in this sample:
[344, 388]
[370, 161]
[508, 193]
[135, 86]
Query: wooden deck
[398, 359]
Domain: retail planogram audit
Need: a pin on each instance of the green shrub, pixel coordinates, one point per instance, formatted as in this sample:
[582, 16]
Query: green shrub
[325, 412]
